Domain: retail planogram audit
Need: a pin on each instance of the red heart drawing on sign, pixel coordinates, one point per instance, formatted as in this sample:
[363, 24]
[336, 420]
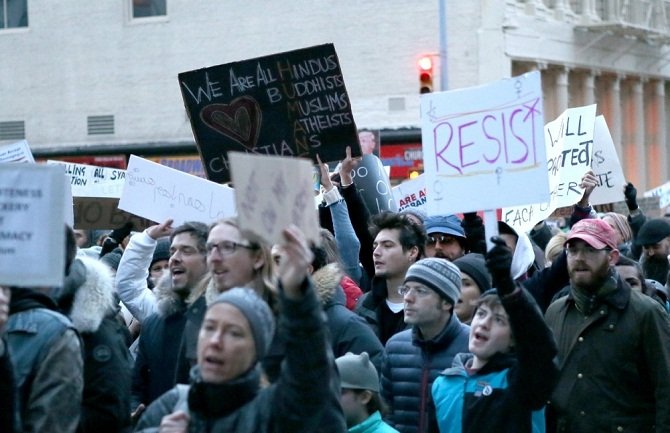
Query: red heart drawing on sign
[239, 120]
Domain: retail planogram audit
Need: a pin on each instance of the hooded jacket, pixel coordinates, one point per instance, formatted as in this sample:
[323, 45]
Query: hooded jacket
[159, 345]
[107, 362]
[348, 331]
[45, 351]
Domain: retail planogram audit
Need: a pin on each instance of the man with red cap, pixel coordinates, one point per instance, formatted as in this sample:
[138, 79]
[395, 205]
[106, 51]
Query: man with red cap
[613, 344]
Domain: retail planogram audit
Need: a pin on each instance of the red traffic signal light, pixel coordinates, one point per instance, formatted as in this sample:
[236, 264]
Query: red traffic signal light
[425, 64]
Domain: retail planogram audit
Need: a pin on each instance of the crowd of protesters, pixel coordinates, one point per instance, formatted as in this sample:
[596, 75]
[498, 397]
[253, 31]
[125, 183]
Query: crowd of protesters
[395, 322]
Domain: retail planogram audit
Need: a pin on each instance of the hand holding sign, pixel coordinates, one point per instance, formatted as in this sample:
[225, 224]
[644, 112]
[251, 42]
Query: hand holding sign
[588, 184]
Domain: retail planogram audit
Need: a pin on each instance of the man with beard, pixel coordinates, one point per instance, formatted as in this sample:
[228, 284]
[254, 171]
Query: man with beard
[613, 344]
[654, 239]
[446, 237]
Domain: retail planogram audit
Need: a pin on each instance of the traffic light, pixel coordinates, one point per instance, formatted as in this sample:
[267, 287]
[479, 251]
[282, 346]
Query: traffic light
[425, 64]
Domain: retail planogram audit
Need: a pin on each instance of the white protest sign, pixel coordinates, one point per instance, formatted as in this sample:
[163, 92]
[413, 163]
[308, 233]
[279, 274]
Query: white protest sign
[606, 166]
[273, 192]
[32, 221]
[662, 192]
[158, 193]
[483, 146]
[16, 152]
[92, 181]
[569, 150]
[411, 194]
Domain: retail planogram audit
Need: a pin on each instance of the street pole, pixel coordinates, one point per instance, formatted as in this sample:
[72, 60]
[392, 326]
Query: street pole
[444, 78]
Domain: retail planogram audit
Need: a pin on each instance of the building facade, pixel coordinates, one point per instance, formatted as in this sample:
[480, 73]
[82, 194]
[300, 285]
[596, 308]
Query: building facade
[100, 78]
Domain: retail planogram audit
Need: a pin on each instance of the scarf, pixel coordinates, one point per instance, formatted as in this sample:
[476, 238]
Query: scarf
[588, 301]
[216, 400]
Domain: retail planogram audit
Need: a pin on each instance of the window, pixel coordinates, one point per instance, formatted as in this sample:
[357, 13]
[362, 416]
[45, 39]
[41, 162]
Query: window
[13, 13]
[149, 8]
[13, 130]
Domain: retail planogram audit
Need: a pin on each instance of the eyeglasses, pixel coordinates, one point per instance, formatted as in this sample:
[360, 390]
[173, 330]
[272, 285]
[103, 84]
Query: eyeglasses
[443, 239]
[226, 248]
[587, 251]
[419, 291]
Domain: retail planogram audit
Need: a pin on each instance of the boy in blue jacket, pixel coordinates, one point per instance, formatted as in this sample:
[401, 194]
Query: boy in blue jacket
[504, 383]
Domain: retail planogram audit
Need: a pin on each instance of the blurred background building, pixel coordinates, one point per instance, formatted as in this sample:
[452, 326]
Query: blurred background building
[94, 81]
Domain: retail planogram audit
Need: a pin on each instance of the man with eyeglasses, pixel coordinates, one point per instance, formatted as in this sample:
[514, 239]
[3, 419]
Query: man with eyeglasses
[613, 344]
[163, 311]
[415, 357]
[446, 237]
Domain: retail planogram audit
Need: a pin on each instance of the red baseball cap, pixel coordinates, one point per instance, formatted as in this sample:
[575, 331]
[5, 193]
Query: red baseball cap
[594, 232]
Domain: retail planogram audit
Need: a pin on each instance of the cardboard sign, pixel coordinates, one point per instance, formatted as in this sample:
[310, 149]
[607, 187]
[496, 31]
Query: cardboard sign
[92, 181]
[411, 194]
[273, 192]
[372, 182]
[662, 192]
[288, 104]
[606, 166]
[158, 193]
[32, 221]
[569, 148]
[103, 213]
[16, 152]
[483, 146]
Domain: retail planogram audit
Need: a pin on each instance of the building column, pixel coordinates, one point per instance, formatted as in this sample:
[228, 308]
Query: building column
[615, 121]
[634, 159]
[656, 151]
[589, 88]
[562, 90]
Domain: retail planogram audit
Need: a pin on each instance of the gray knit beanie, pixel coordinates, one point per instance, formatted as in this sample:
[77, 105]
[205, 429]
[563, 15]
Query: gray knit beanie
[357, 372]
[437, 274]
[257, 312]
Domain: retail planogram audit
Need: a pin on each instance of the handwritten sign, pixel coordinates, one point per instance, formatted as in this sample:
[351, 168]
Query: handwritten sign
[411, 194]
[32, 221]
[157, 193]
[102, 213]
[606, 166]
[372, 182]
[483, 146]
[16, 152]
[288, 104]
[569, 149]
[662, 192]
[92, 181]
[272, 193]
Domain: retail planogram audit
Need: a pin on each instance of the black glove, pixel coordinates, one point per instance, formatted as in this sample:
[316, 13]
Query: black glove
[499, 264]
[122, 232]
[630, 193]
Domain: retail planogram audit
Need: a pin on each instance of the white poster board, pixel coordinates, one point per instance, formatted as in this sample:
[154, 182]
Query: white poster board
[16, 152]
[157, 193]
[32, 225]
[483, 146]
[411, 194]
[662, 192]
[569, 150]
[92, 181]
[273, 192]
[606, 166]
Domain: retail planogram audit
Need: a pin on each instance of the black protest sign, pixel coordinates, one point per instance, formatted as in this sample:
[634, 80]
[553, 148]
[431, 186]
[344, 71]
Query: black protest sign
[104, 213]
[289, 104]
[372, 182]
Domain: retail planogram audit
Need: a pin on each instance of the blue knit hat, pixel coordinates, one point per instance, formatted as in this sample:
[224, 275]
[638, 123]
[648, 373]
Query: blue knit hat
[447, 224]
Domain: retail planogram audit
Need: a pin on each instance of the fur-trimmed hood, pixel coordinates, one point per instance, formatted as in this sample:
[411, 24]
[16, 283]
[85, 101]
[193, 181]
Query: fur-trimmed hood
[94, 298]
[169, 301]
[327, 283]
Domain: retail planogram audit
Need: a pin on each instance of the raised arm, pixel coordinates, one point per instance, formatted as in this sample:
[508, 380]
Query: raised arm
[133, 271]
